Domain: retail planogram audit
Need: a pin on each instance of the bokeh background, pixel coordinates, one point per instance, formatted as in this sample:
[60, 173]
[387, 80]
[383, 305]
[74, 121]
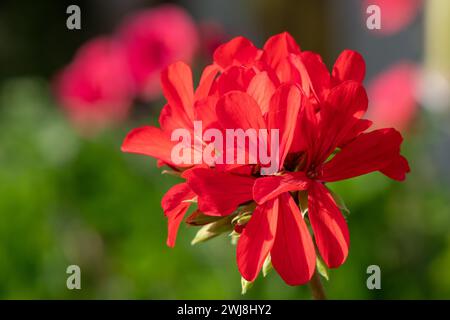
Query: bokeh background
[69, 196]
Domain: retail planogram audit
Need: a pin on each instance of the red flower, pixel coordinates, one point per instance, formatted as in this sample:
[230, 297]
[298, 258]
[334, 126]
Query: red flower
[95, 89]
[322, 139]
[183, 107]
[155, 38]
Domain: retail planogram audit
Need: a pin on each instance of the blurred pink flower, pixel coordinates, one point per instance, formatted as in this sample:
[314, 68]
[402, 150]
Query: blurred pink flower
[96, 88]
[155, 38]
[395, 14]
[392, 96]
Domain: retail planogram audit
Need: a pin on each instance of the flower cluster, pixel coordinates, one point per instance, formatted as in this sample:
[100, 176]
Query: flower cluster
[98, 87]
[323, 138]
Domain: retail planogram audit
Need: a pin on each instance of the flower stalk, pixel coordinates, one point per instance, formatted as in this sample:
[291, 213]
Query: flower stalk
[317, 290]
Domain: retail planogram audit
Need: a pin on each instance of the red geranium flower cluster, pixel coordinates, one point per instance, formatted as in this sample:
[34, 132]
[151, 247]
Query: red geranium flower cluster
[322, 138]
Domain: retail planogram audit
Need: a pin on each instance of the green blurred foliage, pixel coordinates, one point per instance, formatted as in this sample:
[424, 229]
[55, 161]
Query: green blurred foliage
[68, 200]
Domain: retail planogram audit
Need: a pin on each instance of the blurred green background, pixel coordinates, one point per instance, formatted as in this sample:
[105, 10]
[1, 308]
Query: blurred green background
[68, 199]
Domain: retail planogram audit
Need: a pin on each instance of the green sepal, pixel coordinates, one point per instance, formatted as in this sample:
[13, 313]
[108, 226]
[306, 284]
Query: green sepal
[322, 268]
[213, 229]
[245, 285]
[267, 266]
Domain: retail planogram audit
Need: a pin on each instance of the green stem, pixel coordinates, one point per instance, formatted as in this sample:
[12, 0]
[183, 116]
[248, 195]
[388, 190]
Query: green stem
[317, 291]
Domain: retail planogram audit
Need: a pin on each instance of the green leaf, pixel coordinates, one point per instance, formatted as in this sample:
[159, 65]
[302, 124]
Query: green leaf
[245, 285]
[321, 268]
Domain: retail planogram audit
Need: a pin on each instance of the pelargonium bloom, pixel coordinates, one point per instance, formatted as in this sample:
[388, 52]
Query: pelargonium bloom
[322, 138]
[96, 88]
[155, 38]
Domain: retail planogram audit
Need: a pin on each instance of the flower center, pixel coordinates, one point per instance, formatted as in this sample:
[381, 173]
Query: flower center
[311, 173]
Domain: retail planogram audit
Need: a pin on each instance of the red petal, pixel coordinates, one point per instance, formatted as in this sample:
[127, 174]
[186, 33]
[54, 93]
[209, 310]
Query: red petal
[257, 239]
[206, 81]
[175, 209]
[278, 47]
[314, 74]
[267, 188]
[150, 141]
[349, 65]
[176, 81]
[235, 78]
[349, 98]
[170, 119]
[369, 152]
[205, 111]
[282, 115]
[306, 131]
[238, 51]
[345, 105]
[239, 110]
[239, 169]
[219, 193]
[360, 126]
[287, 72]
[293, 254]
[330, 229]
[397, 169]
[261, 88]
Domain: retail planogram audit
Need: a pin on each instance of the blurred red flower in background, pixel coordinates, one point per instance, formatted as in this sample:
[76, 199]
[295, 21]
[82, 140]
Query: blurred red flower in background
[393, 96]
[153, 39]
[212, 35]
[96, 88]
[395, 14]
